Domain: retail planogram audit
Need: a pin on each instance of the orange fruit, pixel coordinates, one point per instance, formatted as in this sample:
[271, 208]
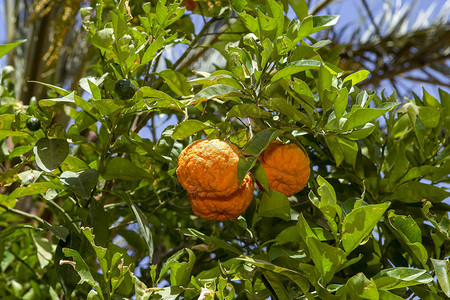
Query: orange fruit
[286, 166]
[227, 207]
[208, 168]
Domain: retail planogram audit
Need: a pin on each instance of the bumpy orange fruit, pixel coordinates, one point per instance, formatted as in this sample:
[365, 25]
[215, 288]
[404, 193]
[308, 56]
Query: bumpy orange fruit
[286, 166]
[208, 168]
[224, 208]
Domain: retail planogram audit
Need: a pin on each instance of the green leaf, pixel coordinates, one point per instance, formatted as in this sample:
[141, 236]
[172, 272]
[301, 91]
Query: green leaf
[5, 48]
[180, 272]
[360, 133]
[295, 276]
[385, 295]
[442, 271]
[327, 259]
[430, 116]
[253, 149]
[44, 250]
[176, 82]
[275, 204]
[357, 77]
[322, 22]
[50, 153]
[216, 91]
[300, 8]
[161, 98]
[282, 105]
[82, 269]
[187, 128]
[358, 224]
[82, 183]
[328, 203]
[296, 67]
[361, 116]
[324, 83]
[99, 251]
[408, 232]
[210, 240]
[7, 133]
[65, 273]
[260, 176]
[121, 168]
[238, 5]
[416, 192]
[103, 39]
[144, 225]
[277, 285]
[396, 278]
[359, 287]
[32, 189]
[248, 110]
[151, 51]
[109, 107]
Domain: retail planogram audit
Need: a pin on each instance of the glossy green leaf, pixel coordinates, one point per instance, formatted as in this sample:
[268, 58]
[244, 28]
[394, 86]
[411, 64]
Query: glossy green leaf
[395, 278]
[152, 49]
[364, 115]
[187, 128]
[253, 148]
[180, 272]
[416, 192]
[211, 240]
[358, 224]
[408, 232]
[327, 259]
[325, 21]
[82, 269]
[275, 204]
[300, 8]
[359, 287]
[5, 48]
[44, 249]
[295, 276]
[357, 77]
[247, 110]
[50, 153]
[144, 225]
[103, 39]
[82, 183]
[122, 168]
[217, 91]
[442, 271]
[177, 82]
[296, 67]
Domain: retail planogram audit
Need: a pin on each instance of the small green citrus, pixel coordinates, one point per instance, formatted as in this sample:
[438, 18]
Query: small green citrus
[33, 124]
[125, 89]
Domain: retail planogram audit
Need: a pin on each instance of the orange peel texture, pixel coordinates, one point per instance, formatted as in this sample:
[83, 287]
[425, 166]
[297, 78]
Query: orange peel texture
[224, 208]
[208, 168]
[286, 166]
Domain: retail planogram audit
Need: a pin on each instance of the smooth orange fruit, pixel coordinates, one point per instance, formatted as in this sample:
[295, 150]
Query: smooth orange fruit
[224, 208]
[208, 168]
[286, 166]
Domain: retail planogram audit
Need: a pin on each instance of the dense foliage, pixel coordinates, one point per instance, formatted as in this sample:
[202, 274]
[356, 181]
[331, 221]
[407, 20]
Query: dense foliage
[92, 209]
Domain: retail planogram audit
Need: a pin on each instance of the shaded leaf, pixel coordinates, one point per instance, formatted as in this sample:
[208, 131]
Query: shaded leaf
[82, 183]
[50, 153]
[358, 224]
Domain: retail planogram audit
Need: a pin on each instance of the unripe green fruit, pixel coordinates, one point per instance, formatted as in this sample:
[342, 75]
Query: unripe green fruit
[125, 89]
[33, 124]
